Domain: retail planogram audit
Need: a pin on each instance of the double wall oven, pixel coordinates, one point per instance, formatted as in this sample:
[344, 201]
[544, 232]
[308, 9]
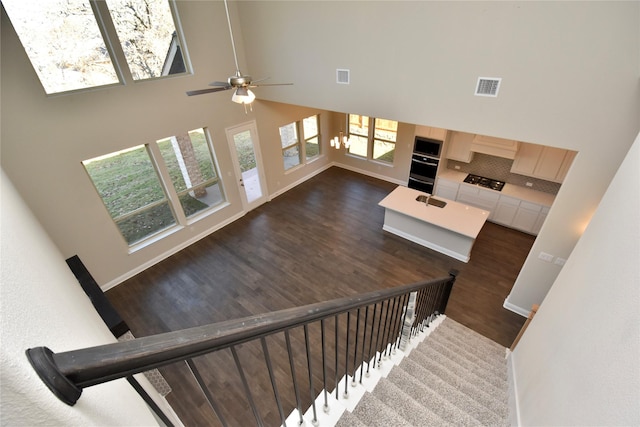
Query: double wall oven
[424, 164]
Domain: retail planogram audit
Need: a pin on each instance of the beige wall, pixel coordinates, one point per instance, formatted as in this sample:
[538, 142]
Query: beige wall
[577, 363]
[570, 79]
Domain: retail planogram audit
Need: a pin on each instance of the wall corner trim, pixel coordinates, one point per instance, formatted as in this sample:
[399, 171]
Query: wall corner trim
[516, 309]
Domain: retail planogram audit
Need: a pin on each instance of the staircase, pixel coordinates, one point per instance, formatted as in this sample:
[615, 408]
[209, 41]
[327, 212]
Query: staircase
[454, 377]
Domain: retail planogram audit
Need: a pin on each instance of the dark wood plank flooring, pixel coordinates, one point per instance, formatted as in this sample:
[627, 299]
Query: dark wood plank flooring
[320, 240]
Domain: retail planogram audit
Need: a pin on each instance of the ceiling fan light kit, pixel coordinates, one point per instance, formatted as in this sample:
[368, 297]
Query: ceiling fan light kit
[241, 83]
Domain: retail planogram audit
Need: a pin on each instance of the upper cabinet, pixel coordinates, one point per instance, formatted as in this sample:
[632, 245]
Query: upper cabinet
[459, 147]
[500, 147]
[548, 163]
[431, 132]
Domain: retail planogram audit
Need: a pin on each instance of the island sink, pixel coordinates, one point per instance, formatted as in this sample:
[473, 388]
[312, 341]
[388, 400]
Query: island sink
[429, 200]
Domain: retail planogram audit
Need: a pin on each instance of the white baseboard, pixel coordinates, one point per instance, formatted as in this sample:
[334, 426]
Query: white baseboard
[516, 309]
[371, 174]
[300, 181]
[140, 268]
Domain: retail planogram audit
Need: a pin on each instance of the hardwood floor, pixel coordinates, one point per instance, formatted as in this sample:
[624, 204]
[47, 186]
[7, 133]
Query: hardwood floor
[320, 240]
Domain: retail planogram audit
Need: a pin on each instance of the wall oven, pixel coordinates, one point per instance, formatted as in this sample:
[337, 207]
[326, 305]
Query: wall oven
[424, 164]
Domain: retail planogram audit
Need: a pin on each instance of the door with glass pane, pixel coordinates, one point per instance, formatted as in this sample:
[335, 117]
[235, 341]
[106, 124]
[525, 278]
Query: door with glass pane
[245, 151]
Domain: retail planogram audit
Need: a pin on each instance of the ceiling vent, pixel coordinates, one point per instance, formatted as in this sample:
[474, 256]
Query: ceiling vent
[342, 76]
[488, 86]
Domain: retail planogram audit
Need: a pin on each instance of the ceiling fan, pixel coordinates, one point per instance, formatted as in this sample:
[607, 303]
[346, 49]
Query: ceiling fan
[241, 83]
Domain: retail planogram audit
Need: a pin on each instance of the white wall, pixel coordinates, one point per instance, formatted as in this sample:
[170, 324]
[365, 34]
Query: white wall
[43, 305]
[570, 75]
[577, 363]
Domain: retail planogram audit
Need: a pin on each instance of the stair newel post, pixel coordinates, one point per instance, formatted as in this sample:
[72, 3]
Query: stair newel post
[293, 376]
[314, 421]
[346, 358]
[355, 351]
[267, 357]
[373, 322]
[205, 391]
[325, 408]
[364, 339]
[407, 322]
[448, 287]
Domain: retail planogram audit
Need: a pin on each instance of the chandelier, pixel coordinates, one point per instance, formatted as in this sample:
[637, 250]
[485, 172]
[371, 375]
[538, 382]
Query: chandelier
[340, 140]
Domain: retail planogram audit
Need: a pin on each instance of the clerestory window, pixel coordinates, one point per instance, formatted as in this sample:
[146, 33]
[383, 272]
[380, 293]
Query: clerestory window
[72, 47]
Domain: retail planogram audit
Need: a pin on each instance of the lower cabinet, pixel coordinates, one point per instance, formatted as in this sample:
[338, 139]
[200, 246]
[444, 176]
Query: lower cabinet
[504, 210]
[447, 189]
[483, 199]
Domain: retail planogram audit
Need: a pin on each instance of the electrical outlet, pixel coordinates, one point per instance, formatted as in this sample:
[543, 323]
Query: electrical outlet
[529, 184]
[545, 257]
[559, 261]
[456, 167]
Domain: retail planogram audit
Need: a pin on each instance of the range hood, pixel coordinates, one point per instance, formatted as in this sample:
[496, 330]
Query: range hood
[506, 148]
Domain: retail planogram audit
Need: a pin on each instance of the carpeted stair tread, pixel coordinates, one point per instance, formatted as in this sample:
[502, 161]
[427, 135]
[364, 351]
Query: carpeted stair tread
[428, 397]
[349, 420]
[449, 392]
[457, 330]
[455, 377]
[450, 347]
[403, 404]
[371, 411]
[458, 362]
[469, 383]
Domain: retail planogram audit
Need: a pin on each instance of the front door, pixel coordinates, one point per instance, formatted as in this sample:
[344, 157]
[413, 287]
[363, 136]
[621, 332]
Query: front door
[245, 151]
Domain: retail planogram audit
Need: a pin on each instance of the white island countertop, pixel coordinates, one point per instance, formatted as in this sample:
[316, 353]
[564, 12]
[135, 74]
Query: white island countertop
[456, 217]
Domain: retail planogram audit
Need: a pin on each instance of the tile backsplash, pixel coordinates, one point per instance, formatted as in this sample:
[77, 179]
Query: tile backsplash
[500, 169]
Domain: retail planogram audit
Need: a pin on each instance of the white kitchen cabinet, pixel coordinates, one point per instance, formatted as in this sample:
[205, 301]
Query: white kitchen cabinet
[447, 189]
[548, 163]
[506, 210]
[500, 147]
[478, 197]
[541, 217]
[431, 132]
[526, 217]
[459, 147]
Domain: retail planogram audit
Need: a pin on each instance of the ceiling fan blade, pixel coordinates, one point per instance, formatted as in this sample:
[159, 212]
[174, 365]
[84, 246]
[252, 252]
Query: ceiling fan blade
[203, 91]
[217, 83]
[272, 84]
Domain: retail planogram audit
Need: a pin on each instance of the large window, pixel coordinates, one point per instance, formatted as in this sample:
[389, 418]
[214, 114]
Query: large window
[71, 47]
[294, 152]
[131, 190]
[372, 138]
[193, 174]
[129, 184]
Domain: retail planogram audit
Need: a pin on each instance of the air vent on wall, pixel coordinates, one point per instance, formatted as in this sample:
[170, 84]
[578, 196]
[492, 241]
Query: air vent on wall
[342, 76]
[488, 86]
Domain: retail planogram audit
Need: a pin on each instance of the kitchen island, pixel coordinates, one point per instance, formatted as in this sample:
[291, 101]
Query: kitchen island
[451, 230]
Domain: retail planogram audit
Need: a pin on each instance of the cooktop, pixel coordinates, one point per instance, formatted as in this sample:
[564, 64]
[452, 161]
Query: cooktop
[493, 184]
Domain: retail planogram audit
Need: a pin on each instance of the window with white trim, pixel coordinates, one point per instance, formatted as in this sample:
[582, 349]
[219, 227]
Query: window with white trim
[294, 152]
[130, 185]
[372, 138]
[72, 47]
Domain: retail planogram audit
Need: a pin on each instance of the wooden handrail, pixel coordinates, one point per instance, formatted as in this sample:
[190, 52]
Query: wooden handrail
[66, 373]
